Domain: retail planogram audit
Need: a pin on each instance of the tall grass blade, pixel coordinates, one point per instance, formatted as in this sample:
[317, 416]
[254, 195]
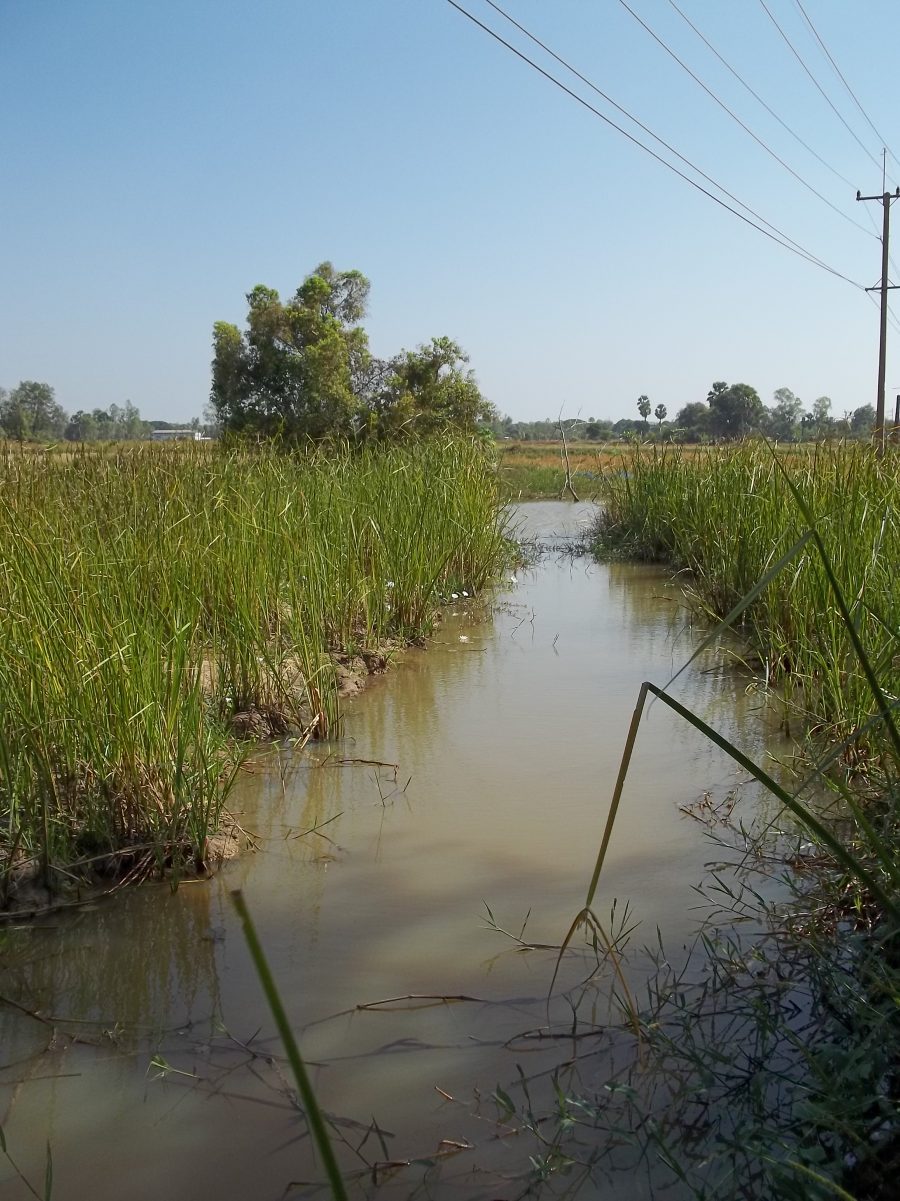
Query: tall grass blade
[862, 656]
[304, 1087]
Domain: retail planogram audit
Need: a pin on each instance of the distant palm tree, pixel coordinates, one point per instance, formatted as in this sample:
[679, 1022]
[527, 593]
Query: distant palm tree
[643, 405]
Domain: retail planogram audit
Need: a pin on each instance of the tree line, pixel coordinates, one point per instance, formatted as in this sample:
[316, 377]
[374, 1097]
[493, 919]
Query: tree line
[730, 411]
[302, 369]
[735, 410]
[30, 412]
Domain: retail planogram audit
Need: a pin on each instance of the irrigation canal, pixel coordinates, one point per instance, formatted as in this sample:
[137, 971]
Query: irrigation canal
[158, 1074]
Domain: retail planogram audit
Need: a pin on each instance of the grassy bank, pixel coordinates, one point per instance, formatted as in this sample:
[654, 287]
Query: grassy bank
[772, 1063]
[726, 516]
[151, 595]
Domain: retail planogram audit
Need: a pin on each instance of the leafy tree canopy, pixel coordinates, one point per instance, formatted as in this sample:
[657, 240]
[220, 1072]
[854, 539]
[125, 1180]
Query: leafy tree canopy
[785, 415]
[862, 420]
[31, 411]
[303, 369]
[693, 420]
[734, 409]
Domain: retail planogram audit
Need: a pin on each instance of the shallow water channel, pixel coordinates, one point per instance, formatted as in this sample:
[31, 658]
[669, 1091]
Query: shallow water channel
[159, 1074]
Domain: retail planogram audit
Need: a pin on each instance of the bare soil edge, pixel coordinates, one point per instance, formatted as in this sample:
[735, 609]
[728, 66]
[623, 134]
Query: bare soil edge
[88, 882]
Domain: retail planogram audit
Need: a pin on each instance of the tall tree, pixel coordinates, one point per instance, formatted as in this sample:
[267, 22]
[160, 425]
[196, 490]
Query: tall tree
[643, 407]
[785, 414]
[293, 370]
[735, 409]
[303, 369]
[821, 416]
[862, 421]
[31, 411]
[692, 421]
[660, 414]
[426, 390]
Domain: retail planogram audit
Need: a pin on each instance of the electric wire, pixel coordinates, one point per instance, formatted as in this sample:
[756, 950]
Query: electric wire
[801, 253]
[817, 85]
[721, 103]
[646, 129]
[727, 65]
[843, 80]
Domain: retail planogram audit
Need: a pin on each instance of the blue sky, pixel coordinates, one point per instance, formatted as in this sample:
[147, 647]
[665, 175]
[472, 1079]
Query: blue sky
[161, 159]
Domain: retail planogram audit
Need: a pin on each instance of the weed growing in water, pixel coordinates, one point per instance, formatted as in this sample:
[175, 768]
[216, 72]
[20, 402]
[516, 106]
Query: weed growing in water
[156, 599]
[770, 1066]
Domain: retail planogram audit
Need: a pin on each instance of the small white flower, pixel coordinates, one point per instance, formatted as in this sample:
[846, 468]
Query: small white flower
[389, 584]
[465, 594]
[454, 596]
[463, 638]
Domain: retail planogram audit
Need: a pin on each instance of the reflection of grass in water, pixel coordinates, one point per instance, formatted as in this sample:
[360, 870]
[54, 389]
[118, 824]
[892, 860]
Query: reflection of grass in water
[770, 1062]
[151, 594]
[47, 1191]
[771, 1065]
[155, 956]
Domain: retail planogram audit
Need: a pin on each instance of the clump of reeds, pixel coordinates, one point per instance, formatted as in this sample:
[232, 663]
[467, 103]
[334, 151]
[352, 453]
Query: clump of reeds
[150, 595]
[773, 1071]
[727, 515]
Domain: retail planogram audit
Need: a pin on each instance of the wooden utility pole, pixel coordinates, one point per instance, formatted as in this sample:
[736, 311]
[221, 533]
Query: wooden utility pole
[884, 287]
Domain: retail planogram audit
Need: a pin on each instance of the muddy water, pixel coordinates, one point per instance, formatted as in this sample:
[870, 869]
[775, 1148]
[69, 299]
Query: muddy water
[159, 1074]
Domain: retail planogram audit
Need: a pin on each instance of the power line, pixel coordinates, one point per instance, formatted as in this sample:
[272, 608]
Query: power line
[841, 77]
[646, 129]
[818, 86]
[804, 254]
[727, 65]
[721, 103]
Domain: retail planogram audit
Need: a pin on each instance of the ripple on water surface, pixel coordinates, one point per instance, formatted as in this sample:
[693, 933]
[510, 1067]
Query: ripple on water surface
[506, 736]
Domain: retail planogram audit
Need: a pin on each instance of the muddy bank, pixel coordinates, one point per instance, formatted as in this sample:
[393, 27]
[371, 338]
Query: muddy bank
[26, 894]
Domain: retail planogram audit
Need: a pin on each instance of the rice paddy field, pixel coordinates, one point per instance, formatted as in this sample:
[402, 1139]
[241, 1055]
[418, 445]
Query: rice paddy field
[532, 470]
[157, 601]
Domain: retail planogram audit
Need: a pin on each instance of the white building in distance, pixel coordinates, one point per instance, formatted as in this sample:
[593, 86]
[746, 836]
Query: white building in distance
[177, 436]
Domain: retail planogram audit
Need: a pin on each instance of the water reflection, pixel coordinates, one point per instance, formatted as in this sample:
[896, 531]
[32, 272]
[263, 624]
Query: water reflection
[146, 961]
[370, 883]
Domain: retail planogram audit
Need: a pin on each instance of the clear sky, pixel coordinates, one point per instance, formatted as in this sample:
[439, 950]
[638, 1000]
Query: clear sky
[160, 158]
